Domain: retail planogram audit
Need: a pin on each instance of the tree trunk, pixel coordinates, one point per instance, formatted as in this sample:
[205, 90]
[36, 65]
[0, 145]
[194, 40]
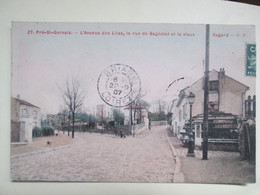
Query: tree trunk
[69, 125]
[73, 120]
[131, 115]
[134, 113]
[140, 110]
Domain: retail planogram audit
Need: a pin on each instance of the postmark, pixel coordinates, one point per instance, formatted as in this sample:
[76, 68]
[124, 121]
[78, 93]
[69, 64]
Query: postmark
[118, 85]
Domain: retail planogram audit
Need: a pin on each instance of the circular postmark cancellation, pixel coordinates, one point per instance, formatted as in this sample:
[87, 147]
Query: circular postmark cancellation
[118, 85]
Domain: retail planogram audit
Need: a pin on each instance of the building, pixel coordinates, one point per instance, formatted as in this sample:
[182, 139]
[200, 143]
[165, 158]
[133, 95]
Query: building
[139, 115]
[24, 117]
[104, 112]
[226, 103]
[53, 120]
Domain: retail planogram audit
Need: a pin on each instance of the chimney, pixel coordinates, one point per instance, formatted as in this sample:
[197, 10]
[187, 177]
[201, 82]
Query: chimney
[18, 96]
[222, 71]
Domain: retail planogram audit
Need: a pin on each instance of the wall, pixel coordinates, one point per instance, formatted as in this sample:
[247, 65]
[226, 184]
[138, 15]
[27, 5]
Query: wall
[15, 112]
[228, 99]
[231, 96]
[15, 131]
[30, 121]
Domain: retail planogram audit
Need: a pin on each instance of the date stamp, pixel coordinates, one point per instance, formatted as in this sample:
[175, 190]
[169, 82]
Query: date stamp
[118, 85]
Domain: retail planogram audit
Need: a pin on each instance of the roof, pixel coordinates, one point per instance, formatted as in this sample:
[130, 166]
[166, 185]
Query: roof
[213, 70]
[23, 102]
[210, 72]
[181, 96]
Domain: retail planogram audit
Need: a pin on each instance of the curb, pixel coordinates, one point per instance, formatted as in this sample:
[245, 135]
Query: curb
[178, 176]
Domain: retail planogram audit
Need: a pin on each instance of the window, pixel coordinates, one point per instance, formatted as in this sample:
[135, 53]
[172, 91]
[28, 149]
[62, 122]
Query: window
[198, 131]
[213, 86]
[213, 106]
[24, 112]
[180, 115]
[184, 111]
[35, 114]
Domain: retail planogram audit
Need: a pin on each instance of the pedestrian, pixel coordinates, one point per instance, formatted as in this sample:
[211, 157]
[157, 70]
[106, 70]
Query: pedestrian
[121, 133]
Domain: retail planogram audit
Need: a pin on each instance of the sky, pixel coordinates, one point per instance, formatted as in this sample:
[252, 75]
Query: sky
[41, 63]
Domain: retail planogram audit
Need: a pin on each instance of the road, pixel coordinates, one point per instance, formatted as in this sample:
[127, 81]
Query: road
[101, 158]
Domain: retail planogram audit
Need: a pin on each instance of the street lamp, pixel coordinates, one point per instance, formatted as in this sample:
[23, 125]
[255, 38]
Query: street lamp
[191, 153]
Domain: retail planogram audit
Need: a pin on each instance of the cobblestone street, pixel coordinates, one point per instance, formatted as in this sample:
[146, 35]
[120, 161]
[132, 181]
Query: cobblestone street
[152, 156]
[100, 158]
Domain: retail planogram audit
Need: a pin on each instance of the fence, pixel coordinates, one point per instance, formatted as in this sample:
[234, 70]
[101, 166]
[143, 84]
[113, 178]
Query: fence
[158, 123]
[137, 129]
[138, 126]
[247, 142]
[250, 107]
[247, 134]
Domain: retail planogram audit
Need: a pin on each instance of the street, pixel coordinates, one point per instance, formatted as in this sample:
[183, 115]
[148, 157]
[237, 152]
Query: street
[153, 156]
[146, 157]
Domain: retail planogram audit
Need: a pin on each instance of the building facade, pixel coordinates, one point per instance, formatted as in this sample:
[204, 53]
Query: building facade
[24, 117]
[104, 112]
[53, 120]
[138, 113]
[226, 99]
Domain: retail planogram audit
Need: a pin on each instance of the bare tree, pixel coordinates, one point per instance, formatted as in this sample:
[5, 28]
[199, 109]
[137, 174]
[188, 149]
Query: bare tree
[137, 105]
[73, 97]
[63, 117]
[118, 116]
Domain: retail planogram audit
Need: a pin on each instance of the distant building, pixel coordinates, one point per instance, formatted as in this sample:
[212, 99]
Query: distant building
[139, 115]
[226, 99]
[53, 120]
[24, 117]
[104, 112]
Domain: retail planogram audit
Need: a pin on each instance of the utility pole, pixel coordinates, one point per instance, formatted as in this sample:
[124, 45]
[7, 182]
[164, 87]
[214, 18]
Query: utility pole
[206, 98]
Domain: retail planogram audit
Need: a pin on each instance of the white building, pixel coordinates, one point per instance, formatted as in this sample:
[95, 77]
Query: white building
[104, 112]
[139, 115]
[226, 96]
[24, 117]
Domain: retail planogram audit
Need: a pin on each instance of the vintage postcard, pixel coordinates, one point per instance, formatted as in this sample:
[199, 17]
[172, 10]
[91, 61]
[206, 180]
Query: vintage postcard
[133, 102]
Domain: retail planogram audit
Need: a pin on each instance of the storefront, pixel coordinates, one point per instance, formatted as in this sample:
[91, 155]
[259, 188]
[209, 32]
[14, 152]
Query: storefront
[222, 132]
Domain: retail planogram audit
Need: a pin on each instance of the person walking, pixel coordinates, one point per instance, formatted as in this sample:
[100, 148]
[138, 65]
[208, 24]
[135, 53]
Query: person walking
[121, 133]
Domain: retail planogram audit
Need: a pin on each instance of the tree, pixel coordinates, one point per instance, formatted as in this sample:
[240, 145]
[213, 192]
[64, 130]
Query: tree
[63, 116]
[73, 97]
[136, 107]
[118, 116]
[159, 111]
[87, 119]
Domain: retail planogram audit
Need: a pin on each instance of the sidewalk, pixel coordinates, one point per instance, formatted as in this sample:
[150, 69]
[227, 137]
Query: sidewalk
[40, 144]
[221, 166]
